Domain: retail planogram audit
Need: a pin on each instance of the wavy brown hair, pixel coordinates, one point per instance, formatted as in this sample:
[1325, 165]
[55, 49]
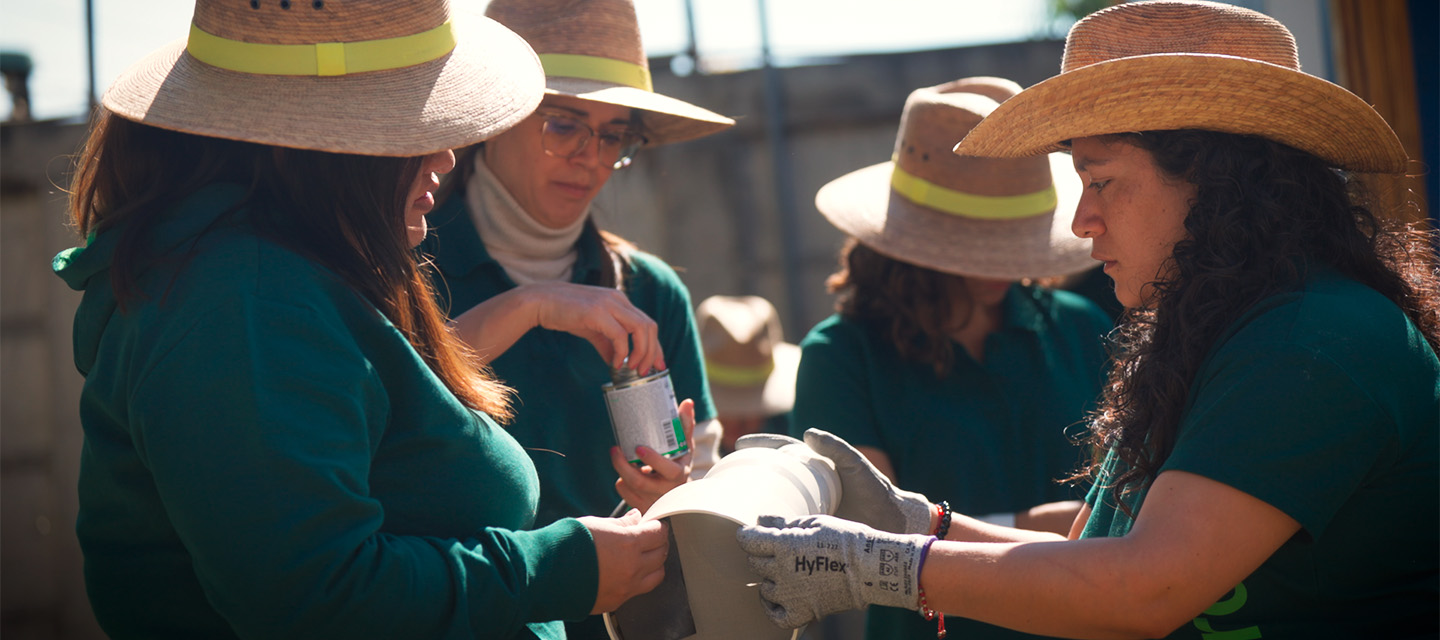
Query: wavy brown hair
[913, 307]
[342, 211]
[1263, 215]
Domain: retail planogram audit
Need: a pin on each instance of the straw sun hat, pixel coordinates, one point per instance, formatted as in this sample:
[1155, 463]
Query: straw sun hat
[979, 217]
[591, 49]
[371, 77]
[750, 367]
[1163, 65]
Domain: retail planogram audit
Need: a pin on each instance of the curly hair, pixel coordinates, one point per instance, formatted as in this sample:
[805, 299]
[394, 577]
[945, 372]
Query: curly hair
[913, 306]
[1263, 213]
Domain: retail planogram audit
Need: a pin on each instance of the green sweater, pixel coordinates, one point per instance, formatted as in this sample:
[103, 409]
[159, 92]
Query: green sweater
[267, 457]
[1325, 404]
[561, 416]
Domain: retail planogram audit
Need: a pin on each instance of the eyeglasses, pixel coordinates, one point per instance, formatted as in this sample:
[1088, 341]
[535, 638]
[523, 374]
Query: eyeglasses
[564, 136]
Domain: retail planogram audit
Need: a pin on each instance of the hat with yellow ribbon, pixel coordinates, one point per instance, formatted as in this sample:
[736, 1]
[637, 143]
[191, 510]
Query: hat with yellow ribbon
[750, 367]
[1004, 219]
[1166, 65]
[591, 49]
[369, 77]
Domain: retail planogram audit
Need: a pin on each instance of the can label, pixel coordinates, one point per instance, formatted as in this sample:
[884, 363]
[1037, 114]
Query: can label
[643, 412]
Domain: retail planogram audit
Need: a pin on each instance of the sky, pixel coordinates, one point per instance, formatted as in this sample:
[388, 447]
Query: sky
[52, 33]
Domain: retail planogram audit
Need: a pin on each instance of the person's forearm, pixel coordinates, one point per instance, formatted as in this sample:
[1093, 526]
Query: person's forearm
[495, 325]
[964, 528]
[1073, 589]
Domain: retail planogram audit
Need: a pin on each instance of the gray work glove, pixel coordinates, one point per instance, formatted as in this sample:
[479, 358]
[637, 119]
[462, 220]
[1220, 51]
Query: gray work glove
[817, 565]
[866, 495]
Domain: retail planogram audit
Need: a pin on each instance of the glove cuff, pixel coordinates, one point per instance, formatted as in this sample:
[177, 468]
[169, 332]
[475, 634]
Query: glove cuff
[891, 575]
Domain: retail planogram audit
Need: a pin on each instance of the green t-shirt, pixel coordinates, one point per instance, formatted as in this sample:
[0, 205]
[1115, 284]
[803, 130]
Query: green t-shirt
[267, 457]
[988, 438]
[1324, 403]
[560, 413]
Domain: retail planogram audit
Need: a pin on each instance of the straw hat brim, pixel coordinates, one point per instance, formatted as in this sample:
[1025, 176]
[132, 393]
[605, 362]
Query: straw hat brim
[775, 397]
[1211, 92]
[862, 204]
[665, 119]
[488, 83]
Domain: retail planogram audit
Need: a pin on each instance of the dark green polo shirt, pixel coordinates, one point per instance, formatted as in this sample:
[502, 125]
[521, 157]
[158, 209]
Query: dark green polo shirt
[1325, 404]
[988, 438]
[560, 416]
[267, 457]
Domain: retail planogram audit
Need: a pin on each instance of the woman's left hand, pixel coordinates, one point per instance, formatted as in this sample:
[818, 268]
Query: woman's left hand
[817, 565]
[641, 486]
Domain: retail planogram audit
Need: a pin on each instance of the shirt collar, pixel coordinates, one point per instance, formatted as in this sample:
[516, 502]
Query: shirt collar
[457, 249]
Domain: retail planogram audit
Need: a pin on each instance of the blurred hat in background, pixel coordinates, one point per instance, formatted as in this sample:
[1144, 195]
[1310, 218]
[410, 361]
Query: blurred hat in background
[750, 367]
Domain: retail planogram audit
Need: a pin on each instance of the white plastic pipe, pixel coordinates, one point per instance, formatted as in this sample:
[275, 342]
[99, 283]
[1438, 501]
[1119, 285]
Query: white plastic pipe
[716, 584]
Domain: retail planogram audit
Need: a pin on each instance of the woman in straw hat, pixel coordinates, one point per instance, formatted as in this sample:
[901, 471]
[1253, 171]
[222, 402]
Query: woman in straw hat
[950, 375]
[547, 298]
[281, 437]
[1269, 431]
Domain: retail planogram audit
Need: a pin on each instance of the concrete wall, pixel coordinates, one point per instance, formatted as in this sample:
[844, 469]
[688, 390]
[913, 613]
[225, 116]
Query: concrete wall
[709, 207]
[712, 207]
[40, 571]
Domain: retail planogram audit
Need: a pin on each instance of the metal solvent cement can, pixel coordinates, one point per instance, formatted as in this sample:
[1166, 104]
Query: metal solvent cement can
[642, 412]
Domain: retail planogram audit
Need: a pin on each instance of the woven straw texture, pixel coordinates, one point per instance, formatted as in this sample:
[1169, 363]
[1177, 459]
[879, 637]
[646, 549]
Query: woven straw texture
[864, 205]
[489, 82]
[744, 333]
[1166, 65]
[604, 29]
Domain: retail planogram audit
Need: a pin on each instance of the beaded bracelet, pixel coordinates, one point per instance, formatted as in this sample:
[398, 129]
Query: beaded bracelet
[943, 509]
[930, 614]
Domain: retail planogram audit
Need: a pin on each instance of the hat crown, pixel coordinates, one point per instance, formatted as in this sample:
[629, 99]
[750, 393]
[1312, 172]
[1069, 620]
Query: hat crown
[738, 331]
[935, 118]
[312, 22]
[1162, 26]
[599, 28]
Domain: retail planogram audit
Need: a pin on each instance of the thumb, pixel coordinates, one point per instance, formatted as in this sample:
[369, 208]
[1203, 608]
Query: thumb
[837, 450]
[774, 522]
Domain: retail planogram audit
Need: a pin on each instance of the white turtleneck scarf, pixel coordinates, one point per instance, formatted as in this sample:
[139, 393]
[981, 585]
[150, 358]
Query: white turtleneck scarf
[529, 251]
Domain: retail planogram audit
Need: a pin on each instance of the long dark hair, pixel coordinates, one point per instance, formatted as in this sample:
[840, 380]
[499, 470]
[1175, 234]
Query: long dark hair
[1263, 214]
[914, 307]
[342, 211]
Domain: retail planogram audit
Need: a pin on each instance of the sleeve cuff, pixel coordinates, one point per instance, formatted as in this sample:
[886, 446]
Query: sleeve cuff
[565, 570]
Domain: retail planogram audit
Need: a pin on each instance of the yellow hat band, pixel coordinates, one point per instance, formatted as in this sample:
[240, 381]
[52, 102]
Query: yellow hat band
[923, 192]
[321, 59]
[597, 68]
[738, 376]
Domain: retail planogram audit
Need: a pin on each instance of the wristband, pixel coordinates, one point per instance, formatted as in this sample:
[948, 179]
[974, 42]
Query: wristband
[925, 611]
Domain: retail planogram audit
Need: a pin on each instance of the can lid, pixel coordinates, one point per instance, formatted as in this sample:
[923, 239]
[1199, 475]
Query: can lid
[624, 373]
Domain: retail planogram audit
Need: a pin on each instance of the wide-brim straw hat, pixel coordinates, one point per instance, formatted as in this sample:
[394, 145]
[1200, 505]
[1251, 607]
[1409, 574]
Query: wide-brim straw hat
[1165, 65]
[591, 49]
[750, 367]
[981, 217]
[370, 77]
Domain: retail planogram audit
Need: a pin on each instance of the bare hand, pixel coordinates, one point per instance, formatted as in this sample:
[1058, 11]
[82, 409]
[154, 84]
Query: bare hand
[631, 553]
[604, 317]
[642, 486]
